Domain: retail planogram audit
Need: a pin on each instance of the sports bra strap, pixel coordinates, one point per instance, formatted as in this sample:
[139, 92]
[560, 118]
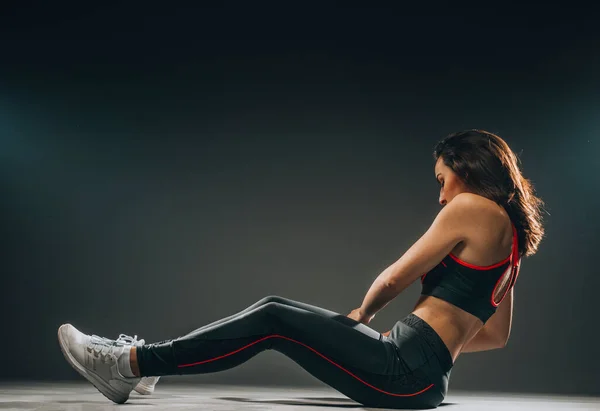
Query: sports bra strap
[515, 260]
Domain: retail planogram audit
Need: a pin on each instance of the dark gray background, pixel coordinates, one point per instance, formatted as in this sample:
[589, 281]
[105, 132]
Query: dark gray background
[164, 167]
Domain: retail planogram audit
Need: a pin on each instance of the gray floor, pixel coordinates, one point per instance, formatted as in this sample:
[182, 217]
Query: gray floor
[173, 396]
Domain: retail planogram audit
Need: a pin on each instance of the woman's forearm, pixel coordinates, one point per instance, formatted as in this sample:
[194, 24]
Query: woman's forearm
[380, 293]
[482, 341]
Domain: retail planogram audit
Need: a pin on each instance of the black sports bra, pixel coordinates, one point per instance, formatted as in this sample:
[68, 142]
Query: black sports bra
[471, 287]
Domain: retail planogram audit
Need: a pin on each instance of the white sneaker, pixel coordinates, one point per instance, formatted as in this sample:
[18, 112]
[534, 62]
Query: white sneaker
[95, 358]
[146, 384]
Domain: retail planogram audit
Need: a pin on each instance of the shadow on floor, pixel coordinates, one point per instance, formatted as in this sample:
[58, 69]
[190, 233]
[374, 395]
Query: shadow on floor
[310, 401]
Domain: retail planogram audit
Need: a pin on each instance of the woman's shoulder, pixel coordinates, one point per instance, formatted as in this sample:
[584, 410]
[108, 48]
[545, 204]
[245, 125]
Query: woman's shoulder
[476, 216]
[489, 229]
[482, 206]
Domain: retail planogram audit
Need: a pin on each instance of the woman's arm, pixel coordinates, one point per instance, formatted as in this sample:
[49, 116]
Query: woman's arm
[447, 230]
[496, 331]
[482, 341]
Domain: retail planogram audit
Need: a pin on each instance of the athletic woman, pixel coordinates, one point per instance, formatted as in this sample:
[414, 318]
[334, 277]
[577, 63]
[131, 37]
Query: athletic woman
[467, 262]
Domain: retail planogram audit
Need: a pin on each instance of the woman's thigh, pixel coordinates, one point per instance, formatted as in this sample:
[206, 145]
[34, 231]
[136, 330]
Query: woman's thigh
[293, 303]
[342, 318]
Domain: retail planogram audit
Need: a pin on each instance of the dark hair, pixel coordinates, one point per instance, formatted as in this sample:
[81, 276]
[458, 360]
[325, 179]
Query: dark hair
[487, 165]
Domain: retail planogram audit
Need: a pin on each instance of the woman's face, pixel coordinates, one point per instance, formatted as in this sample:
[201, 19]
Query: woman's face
[450, 183]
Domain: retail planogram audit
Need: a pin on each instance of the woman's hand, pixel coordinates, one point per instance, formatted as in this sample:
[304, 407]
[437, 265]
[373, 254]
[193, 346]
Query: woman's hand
[358, 315]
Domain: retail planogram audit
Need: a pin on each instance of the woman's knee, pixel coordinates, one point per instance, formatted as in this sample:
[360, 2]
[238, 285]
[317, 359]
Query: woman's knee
[271, 299]
[274, 309]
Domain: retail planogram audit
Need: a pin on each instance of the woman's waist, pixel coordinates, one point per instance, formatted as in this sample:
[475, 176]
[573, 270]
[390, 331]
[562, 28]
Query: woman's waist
[417, 342]
[451, 324]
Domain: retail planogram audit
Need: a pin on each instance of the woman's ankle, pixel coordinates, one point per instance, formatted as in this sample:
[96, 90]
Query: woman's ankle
[133, 363]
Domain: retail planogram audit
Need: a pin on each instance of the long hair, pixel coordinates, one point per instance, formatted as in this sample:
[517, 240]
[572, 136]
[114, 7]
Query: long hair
[487, 165]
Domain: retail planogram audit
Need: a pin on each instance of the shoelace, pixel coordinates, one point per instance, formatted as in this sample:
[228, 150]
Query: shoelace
[129, 340]
[103, 348]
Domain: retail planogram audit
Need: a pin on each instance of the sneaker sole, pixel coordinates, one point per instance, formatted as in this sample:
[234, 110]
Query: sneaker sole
[104, 388]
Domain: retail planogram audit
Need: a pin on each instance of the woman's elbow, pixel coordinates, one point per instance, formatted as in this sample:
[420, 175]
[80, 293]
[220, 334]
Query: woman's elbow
[503, 342]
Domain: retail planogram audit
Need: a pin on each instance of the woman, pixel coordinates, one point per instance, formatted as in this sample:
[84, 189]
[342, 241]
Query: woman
[467, 261]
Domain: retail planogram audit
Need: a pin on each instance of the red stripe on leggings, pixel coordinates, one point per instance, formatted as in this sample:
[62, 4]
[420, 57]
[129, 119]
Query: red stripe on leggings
[316, 352]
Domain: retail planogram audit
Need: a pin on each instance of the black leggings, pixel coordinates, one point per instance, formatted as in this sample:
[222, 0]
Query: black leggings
[410, 368]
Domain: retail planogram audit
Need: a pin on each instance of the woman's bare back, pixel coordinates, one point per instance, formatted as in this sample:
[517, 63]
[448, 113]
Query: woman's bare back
[487, 244]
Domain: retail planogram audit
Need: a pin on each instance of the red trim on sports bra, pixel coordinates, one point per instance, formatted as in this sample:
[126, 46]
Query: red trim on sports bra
[487, 267]
[316, 352]
[514, 271]
[494, 304]
[480, 267]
